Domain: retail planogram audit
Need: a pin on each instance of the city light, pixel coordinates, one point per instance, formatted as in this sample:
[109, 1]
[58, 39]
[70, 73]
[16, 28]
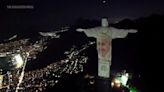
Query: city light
[124, 79]
[18, 60]
[39, 79]
[116, 83]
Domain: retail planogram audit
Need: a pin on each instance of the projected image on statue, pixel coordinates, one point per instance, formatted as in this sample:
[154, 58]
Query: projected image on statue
[104, 46]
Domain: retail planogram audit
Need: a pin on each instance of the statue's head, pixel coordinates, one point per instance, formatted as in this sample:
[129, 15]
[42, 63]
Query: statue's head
[104, 22]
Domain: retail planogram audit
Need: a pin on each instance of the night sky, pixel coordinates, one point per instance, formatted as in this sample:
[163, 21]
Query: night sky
[48, 14]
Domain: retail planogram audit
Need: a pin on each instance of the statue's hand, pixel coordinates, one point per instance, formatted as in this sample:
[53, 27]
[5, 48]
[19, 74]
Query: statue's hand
[132, 31]
[80, 30]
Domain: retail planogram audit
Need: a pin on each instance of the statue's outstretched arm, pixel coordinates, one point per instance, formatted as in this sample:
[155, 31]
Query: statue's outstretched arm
[121, 33]
[88, 32]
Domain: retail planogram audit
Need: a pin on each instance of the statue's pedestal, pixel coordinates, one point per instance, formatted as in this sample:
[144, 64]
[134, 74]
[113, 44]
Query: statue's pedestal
[103, 84]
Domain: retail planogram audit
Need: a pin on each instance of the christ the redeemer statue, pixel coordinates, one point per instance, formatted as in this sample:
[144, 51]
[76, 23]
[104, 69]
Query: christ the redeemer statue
[104, 36]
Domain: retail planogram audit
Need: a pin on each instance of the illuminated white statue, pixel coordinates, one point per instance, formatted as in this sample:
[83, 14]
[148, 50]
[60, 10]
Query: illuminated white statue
[104, 36]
